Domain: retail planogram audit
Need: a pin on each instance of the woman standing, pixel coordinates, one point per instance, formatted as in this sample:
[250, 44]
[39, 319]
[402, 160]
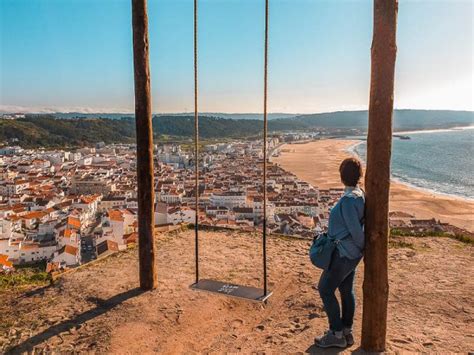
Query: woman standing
[345, 225]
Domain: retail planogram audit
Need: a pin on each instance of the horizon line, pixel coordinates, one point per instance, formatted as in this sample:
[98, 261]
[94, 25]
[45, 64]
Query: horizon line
[185, 113]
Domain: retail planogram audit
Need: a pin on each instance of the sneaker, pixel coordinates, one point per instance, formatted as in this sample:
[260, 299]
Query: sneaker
[318, 339]
[348, 335]
[329, 340]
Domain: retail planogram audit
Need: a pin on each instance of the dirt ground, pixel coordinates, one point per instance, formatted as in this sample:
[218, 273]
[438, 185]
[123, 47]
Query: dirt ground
[98, 308]
[318, 164]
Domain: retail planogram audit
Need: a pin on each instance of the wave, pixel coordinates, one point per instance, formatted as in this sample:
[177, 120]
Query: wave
[446, 188]
[352, 149]
[426, 186]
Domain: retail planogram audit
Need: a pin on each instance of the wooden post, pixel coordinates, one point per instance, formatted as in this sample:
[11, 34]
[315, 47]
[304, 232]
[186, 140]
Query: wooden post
[146, 194]
[377, 180]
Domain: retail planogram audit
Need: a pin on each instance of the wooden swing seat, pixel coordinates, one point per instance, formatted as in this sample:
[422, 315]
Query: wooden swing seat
[247, 293]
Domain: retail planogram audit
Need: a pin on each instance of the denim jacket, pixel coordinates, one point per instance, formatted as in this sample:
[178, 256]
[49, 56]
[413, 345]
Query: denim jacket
[346, 223]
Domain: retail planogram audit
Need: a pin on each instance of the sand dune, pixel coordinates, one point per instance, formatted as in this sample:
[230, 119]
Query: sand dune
[318, 162]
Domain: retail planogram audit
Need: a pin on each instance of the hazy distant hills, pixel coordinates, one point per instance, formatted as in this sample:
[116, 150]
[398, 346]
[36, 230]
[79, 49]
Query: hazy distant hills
[403, 119]
[234, 116]
[71, 130]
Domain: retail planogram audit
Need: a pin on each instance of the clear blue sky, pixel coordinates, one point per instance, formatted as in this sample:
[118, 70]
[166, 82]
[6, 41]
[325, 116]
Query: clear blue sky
[76, 55]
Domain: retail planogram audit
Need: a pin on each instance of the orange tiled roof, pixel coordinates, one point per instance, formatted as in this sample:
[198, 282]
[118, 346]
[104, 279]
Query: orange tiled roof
[50, 267]
[4, 261]
[34, 215]
[67, 233]
[115, 215]
[130, 238]
[88, 199]
[74, 222]
[69, 249]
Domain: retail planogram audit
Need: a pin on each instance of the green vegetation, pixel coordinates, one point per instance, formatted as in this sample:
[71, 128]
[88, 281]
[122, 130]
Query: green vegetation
[47, 131]
[209, 127]
[399, 243]
[463, 238]
[59, 131]
[25, 276]
[460, 237]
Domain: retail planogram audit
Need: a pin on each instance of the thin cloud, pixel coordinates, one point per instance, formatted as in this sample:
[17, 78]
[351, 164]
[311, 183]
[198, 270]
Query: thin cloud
[62, 109]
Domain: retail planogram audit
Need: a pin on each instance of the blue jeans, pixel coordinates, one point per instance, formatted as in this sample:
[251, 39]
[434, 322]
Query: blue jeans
[340, 275]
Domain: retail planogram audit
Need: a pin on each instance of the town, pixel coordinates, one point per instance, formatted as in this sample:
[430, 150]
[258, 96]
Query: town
[67, 208]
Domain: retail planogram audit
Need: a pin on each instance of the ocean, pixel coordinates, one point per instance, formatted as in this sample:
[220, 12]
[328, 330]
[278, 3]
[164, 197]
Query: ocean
[441, 161]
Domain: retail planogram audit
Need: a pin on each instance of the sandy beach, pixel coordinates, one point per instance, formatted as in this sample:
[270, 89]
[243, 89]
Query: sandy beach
[318, 162]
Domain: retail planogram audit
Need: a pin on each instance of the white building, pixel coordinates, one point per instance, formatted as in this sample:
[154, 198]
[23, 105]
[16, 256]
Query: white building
[179, 215]
[10, 150]
[15, 187]
[68, 255]
[32, 252]
[117, 224]
[108, 203]
[229, 199]
[171, 196]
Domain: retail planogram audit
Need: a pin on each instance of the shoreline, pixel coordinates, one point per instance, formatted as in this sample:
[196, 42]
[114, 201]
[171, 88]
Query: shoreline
[436, 130]
[351, 150]
[318, 162]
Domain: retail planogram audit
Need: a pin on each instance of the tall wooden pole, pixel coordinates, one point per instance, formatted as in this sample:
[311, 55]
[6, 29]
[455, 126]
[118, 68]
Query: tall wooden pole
[377, 180]
[146, 194]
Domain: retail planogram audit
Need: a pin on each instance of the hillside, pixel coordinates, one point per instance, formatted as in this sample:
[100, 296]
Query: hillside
[51, 131]
[403, 120]
[47, 131]
[98, 308]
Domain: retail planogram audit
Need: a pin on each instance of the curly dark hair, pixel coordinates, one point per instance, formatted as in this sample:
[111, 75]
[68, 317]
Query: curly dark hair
[351, 171]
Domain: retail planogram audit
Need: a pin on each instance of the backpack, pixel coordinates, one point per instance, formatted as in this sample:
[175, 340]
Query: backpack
[321, 251]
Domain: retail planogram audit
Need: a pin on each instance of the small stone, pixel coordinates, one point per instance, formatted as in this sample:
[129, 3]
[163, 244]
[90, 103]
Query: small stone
[260, 327]
[313, 315]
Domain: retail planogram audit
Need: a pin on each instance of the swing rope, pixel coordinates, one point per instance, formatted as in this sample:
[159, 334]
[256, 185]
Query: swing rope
[196, 141]
[265, 125]
[196, 146]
